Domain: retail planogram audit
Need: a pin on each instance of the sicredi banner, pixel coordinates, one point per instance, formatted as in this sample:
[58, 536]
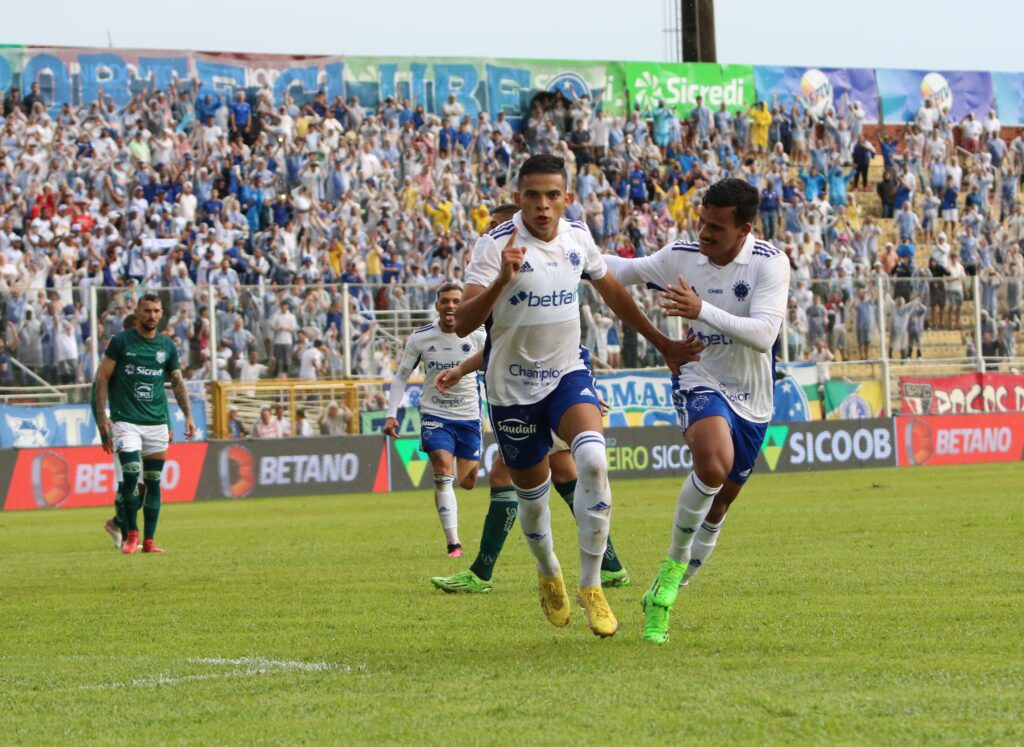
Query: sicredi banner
[84, 476]
[679, 85]
[960, 439]
[320, 465]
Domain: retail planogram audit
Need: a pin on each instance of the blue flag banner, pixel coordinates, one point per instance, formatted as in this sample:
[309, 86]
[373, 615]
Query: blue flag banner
[74, 425]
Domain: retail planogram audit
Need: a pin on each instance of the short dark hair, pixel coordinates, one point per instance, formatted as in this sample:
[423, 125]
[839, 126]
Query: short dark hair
[151, 298]
[505, 207]
[542, 163]
[734, 193]
[447, 288]
[129, 321]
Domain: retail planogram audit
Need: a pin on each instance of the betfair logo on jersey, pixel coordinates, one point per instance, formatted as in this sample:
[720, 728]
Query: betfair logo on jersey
[439, 366]
[414, 460]
[554, 299]
[774, 441]
[714, 339]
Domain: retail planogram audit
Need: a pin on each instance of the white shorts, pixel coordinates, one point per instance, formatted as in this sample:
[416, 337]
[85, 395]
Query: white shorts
[118, 474]
[950, 215]
[557, 444]
[147, 439]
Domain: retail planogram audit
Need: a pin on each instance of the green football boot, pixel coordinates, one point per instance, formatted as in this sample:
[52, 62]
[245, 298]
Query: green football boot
[656, 630]
[615, 579]
[665, 588]
[464, 582]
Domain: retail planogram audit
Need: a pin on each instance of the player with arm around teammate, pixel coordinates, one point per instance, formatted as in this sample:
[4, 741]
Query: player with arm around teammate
[131, 379]
[733, 288]
[523, 282]
[449, 420]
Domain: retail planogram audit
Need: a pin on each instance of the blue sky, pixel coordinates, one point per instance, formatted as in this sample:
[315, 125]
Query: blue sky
[937, 34]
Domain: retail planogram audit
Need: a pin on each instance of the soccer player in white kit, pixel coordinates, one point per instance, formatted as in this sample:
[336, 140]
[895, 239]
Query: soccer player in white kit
[733, 289]
[449, 421]
[523, 282]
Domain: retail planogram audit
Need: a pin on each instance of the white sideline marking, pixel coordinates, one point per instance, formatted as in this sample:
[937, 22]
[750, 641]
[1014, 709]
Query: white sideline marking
[258, 662]
[248, 666]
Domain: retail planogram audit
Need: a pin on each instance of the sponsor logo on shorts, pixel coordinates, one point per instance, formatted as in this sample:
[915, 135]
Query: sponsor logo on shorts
[516, 430]
[586, 392]
[430, 424]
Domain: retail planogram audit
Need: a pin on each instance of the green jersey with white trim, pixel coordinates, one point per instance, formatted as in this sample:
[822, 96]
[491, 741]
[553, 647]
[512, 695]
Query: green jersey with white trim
[137, 386]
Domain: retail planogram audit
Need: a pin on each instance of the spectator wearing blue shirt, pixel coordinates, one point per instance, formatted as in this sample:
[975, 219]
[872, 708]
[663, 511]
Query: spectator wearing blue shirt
[662, 120]
[814, 183]
[701, 117]
[446, 137]
[769, 209]
[241, 118]
[907, 222]
[948, 207]
[637, 185]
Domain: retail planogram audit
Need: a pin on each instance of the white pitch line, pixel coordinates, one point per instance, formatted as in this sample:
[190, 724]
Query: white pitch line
[254, 666]
[258, 662]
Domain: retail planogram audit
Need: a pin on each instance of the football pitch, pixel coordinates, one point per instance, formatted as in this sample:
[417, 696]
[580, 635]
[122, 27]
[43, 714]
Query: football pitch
[868, 607]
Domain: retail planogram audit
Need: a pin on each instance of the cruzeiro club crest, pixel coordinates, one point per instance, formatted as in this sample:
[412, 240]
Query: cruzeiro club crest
[161, 356]
[741, 289]
[574, 259]
[466, 347]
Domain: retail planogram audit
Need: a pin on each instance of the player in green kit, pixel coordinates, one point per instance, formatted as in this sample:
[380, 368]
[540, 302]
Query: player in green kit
[131, 379]
[114, 527]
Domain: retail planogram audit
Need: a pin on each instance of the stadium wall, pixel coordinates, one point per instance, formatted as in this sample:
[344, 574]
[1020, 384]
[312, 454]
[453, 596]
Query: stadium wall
[84, 476]
[73, 75]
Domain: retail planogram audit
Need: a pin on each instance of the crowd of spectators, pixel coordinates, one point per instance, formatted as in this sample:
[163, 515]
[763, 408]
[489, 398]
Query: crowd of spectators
[275, 205]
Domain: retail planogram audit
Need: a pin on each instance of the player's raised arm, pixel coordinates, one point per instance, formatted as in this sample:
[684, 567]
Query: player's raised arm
[488, 273]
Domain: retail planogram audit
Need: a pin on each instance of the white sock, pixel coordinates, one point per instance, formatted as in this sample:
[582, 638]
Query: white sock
[447, 507]
[694, 503]
[704, 541]
[535, 519]
[591, 504]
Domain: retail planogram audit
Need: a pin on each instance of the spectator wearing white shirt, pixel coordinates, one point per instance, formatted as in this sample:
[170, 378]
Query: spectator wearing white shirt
[266, 426]
[311, 361]
[284, 325]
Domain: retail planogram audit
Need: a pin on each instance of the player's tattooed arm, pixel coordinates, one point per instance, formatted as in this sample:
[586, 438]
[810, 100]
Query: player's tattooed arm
[181, 397]
[447, 379]
[102, 397]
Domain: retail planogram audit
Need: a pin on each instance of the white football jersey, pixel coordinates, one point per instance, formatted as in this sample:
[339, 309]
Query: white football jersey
[437, 351]
[533, 333]
[757, 281]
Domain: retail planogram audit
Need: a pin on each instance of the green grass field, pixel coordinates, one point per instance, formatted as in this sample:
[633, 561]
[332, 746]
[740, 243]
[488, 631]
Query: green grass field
[870, 607]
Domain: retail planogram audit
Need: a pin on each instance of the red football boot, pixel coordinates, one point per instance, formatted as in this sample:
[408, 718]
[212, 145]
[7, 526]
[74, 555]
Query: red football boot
[148, 546]
[131, 542]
